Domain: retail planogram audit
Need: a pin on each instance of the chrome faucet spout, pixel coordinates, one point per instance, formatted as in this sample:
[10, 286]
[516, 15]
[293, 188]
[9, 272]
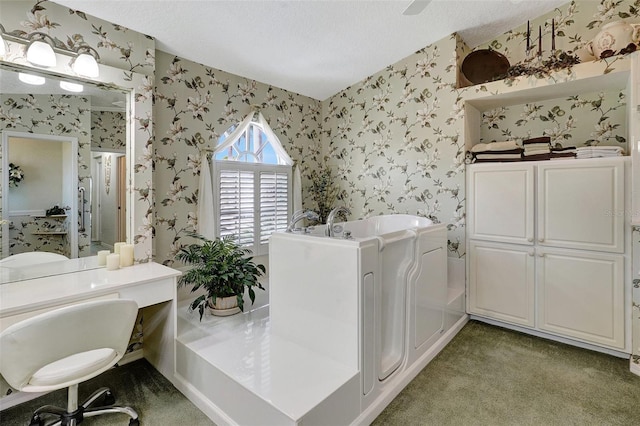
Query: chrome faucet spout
[298, 215]
[341, 209]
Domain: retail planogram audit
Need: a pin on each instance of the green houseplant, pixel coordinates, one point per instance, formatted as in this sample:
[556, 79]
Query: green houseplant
[223, 269]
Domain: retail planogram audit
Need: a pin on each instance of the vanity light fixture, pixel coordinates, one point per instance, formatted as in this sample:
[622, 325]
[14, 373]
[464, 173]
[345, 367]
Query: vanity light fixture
[86, 63]
[71, 87]
[3, 44]
[36, 80]
[40, 50]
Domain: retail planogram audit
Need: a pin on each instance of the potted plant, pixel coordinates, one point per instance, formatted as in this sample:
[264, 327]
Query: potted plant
[224, 270]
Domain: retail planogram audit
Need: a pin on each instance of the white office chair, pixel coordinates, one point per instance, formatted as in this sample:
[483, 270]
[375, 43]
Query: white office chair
[64, 347]
[31, 258]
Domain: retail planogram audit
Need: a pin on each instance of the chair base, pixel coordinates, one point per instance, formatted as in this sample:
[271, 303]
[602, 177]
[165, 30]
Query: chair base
[75, 417]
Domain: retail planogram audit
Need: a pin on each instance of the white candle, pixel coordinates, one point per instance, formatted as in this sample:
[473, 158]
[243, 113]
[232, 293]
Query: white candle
[126, 255]
[102, 257]
[116, 247]
[113, 262]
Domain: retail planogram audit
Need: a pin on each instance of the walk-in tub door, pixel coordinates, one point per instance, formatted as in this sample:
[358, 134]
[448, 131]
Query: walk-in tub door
[396, 259]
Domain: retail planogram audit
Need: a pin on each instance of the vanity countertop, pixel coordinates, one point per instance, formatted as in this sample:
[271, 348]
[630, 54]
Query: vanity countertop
[9, 274]
[29, 294]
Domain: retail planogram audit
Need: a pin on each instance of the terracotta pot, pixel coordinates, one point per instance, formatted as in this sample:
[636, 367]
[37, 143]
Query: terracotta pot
[224, 306]
[614, 38]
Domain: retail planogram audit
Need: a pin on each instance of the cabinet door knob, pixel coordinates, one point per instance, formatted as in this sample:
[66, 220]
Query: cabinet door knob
[530, 239]
[531, 253]
[540, 239]
[540, 254]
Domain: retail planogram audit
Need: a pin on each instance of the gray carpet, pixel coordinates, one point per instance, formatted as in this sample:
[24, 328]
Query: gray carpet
[492, 376]
[137, 385]
[485, 376]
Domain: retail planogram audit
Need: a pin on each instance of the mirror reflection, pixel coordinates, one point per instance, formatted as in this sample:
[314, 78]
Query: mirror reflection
[51, 202]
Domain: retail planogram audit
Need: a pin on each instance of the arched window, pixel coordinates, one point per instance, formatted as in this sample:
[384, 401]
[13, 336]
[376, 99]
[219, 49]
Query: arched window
[252, 184]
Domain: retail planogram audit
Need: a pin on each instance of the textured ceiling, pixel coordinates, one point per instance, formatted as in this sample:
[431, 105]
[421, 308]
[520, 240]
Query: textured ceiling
[312, 47]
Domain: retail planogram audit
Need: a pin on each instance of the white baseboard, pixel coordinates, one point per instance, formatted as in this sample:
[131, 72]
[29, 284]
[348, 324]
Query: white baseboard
[131, 356]
[635, 368]
[202, 402]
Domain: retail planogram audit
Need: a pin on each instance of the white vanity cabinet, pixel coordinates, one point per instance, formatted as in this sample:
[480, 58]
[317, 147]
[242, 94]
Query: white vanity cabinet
[546, 247]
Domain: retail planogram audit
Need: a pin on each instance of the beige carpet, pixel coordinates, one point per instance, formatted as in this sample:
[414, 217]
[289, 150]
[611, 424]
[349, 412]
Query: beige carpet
[485, 376]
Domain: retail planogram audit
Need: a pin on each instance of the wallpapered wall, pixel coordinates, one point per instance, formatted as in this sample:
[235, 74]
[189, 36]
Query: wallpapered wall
[583, 119]
[394, 140]
[194, 106]
[60, 115]
[108, 130]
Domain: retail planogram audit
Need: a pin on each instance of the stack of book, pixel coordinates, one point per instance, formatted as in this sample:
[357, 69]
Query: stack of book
[537, 148]
[496, 152]
[599, 151]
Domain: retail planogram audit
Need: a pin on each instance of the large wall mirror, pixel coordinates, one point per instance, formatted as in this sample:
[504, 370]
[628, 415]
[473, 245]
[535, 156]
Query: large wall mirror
[68, 166]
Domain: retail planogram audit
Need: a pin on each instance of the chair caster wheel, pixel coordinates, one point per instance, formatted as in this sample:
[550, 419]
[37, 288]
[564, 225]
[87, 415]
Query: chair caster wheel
[108, 399]
[36, 421]
[134, 422]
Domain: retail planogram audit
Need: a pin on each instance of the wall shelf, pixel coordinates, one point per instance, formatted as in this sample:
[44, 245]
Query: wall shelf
[53, 216]
[605, 75]
[49, 233]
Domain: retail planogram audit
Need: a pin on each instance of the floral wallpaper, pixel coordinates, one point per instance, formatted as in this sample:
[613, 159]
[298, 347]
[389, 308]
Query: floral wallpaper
[128, 60]
[194, 106]
[60, 115]
[108, 130]
[394, 141]
[24, 235]
[583, 119]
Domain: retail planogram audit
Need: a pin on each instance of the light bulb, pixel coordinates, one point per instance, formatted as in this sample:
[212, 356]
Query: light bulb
[86, 65]
[36, 80]
[71, 87]
[41, 54]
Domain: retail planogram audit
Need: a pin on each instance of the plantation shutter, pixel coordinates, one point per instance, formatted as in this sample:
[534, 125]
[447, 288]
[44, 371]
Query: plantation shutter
[274, 203]
[237, 205]
[252, 190]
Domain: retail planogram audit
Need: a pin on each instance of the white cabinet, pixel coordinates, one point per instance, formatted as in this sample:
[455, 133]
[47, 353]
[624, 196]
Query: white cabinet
[581, 295]
[546, 247]
[581, 204]
[500, 202]
[501, 283]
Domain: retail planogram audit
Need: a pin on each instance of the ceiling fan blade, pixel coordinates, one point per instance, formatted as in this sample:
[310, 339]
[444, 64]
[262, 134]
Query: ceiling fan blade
[415, 7]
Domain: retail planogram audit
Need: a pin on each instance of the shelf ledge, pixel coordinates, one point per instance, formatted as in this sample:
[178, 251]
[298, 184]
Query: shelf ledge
[604, 75]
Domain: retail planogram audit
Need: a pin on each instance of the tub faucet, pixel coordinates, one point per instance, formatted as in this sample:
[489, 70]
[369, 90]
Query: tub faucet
[329, 232]
[298, 215]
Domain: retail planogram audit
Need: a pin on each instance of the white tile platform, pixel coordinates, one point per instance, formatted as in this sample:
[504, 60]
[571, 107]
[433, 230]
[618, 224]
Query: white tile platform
[244, 374]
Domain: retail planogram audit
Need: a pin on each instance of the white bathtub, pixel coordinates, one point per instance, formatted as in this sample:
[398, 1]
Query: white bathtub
[374, 303]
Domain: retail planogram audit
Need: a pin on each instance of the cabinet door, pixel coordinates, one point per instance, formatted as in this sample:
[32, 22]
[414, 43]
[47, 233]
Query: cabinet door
[501, 282]
[581, 295]
[500, 202]
[581, 204]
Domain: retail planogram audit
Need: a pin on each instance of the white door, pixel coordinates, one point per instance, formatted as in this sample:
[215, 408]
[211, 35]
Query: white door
[501, 282]
[581, 204]
[581, 295]
[500, 202]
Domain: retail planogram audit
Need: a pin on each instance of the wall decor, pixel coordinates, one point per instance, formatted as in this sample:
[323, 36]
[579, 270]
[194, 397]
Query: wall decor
[16, 175]
[107, 173]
